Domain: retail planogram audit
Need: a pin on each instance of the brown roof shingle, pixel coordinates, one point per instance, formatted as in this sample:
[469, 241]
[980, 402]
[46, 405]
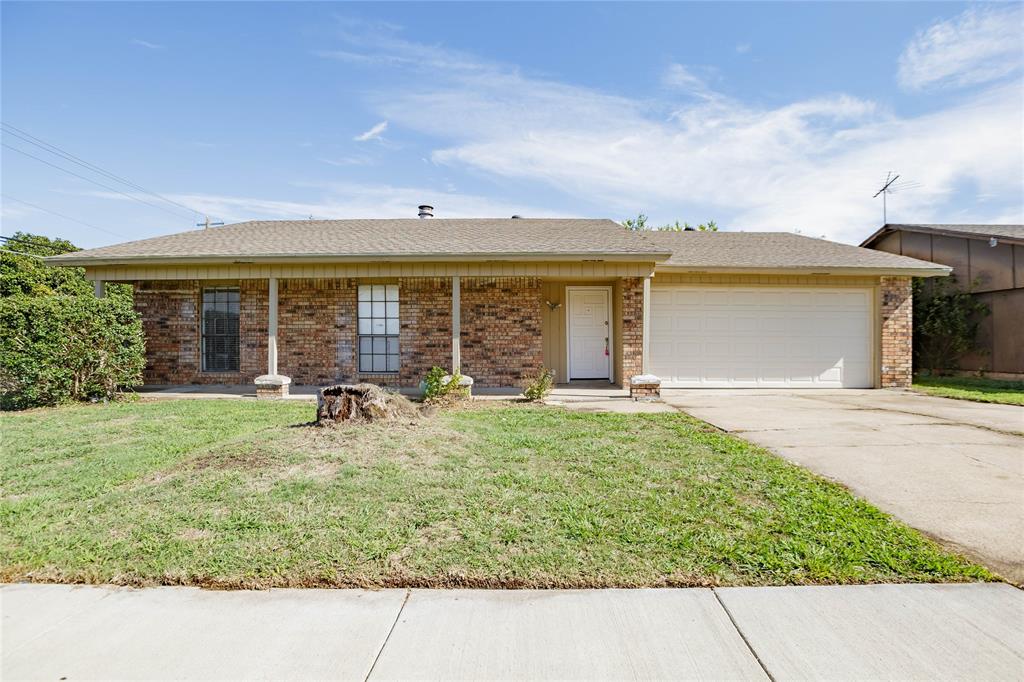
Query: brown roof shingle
[414, 238]
[773, 250]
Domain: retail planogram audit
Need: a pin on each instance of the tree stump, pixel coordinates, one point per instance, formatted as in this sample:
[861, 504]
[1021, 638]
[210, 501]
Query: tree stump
[360, 403]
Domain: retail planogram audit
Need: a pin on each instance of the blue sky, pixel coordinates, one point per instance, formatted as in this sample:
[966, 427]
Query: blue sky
[761, 116]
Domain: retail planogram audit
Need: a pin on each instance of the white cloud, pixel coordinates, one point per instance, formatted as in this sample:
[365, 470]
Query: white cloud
[980, 45]
[146, 44]
[373, 133]
[743, 48]
[811, 165]
[349, 200]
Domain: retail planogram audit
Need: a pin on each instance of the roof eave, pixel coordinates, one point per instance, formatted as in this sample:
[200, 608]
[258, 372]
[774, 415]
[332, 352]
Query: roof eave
[96, 261]
[922, 229]
[806, 270]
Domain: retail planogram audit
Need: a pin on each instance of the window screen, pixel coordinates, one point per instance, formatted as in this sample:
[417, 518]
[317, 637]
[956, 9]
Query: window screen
[378, 328]
[220, 329]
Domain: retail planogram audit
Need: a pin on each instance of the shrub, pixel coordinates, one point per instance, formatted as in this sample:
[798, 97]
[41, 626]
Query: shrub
[59, 348]
[538, 386]
[440, 386]
[946, 321]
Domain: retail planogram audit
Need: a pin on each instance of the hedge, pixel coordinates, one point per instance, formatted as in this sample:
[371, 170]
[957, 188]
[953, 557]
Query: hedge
[62, 348]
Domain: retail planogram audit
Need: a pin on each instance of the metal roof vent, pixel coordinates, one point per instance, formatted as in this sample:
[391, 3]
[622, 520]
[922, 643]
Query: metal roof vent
[516, 217]
[426, 211]
[689, 229]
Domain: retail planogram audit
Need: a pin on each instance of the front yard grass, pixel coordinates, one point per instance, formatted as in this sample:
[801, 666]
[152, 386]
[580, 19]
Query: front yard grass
[972, 388]
[242, 494]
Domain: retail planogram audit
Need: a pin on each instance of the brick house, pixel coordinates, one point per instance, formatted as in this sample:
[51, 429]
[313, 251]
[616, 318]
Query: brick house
[326, 301]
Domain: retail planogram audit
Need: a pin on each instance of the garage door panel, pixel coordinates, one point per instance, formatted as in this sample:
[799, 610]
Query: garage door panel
[766, 337]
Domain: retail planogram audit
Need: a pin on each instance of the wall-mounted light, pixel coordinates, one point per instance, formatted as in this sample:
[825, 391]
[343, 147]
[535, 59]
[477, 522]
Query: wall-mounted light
[553, 306]
[992, 241]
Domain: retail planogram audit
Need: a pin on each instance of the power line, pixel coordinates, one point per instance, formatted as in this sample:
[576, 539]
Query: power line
[54, 149]
[26, 242]
[66, 217]
[99, 184]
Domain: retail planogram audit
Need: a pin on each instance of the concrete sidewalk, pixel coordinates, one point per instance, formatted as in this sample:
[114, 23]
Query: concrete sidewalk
[971, 631]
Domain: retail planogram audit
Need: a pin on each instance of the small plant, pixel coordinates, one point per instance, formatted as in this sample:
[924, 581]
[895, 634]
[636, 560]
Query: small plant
[443, 387]
[538, 386]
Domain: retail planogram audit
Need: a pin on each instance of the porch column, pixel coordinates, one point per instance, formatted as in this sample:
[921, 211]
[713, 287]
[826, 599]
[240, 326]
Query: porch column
[456, 323]
[272, 384]
[272, 328]
[646, 343]
[99, 288]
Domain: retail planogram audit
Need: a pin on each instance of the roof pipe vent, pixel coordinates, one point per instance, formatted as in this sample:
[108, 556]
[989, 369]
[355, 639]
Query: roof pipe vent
[516, 217]
[426, 211]
[689, 229]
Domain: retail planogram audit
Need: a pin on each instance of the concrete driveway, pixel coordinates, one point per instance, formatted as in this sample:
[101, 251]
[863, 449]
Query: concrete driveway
[951, 468]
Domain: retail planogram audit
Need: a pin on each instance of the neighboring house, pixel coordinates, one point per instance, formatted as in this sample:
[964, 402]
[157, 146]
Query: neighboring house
[325, 301]
[987, 260]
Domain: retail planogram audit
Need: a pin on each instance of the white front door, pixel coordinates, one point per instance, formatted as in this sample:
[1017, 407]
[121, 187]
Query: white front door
[589, 333]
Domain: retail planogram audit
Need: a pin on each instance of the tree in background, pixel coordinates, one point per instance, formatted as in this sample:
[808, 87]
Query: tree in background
[58, 342]
[640, 223]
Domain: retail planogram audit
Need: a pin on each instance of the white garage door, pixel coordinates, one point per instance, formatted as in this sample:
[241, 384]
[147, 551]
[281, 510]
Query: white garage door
[760, 337]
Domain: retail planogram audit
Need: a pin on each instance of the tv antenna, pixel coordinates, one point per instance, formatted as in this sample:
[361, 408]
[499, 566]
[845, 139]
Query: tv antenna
[890, 186]
[206, 224]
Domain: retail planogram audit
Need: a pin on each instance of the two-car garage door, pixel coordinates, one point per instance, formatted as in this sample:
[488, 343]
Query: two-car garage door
[761, 337]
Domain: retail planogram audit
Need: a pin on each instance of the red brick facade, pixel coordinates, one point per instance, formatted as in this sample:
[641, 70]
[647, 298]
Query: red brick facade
[897, 328]
[632, 329]
[501, 329]
[170, 311]
[318, 334]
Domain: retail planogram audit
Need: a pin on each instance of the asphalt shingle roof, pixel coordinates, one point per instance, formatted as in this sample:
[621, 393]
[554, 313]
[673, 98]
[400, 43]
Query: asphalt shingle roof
[384, 238]
[752, 250]
[491, 238]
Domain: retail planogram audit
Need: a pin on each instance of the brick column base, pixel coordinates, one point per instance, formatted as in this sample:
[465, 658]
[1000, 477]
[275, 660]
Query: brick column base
[645, 387]
[272, 386]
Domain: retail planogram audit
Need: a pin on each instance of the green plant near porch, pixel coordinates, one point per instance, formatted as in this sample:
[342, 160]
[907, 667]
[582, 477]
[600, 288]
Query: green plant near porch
[946, 321]
[442, 386]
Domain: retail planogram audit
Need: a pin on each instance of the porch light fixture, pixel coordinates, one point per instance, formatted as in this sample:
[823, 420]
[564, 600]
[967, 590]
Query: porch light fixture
[993, 241]
[553, 306]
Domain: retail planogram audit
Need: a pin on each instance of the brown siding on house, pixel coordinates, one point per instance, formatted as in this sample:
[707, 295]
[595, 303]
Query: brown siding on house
[501, 329]
[897, 324]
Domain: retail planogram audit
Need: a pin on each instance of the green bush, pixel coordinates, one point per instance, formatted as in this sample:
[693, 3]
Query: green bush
[539, 386]
[440, 386]
[946, 321]
[57, 341]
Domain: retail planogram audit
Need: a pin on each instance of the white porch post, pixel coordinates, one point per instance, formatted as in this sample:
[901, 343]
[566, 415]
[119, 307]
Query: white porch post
[646, 326]
[272, 384]
[272, 329]
[456, 323]
[99, 288]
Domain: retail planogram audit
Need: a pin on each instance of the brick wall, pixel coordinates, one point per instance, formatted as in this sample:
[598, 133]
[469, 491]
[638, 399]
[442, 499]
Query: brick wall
[501, 329]
[632, 335]
[316, 330]
[170, 312]
[318, 335]
[897, 326]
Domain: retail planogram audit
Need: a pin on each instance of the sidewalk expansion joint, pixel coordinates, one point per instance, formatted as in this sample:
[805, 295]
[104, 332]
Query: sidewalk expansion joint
[735, 625]
[384, 644]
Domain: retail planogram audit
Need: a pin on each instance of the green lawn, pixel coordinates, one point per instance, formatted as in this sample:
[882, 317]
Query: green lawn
[243, 494]
[972, 388]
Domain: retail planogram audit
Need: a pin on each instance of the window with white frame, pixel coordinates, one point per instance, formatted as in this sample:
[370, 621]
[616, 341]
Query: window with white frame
[378, 328]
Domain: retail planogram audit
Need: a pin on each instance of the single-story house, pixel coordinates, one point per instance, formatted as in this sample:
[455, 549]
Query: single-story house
[383, 301]
[988, 261]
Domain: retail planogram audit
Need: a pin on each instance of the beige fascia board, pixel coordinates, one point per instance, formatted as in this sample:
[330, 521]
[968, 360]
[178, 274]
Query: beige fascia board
[873, 272]
[129, 261]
